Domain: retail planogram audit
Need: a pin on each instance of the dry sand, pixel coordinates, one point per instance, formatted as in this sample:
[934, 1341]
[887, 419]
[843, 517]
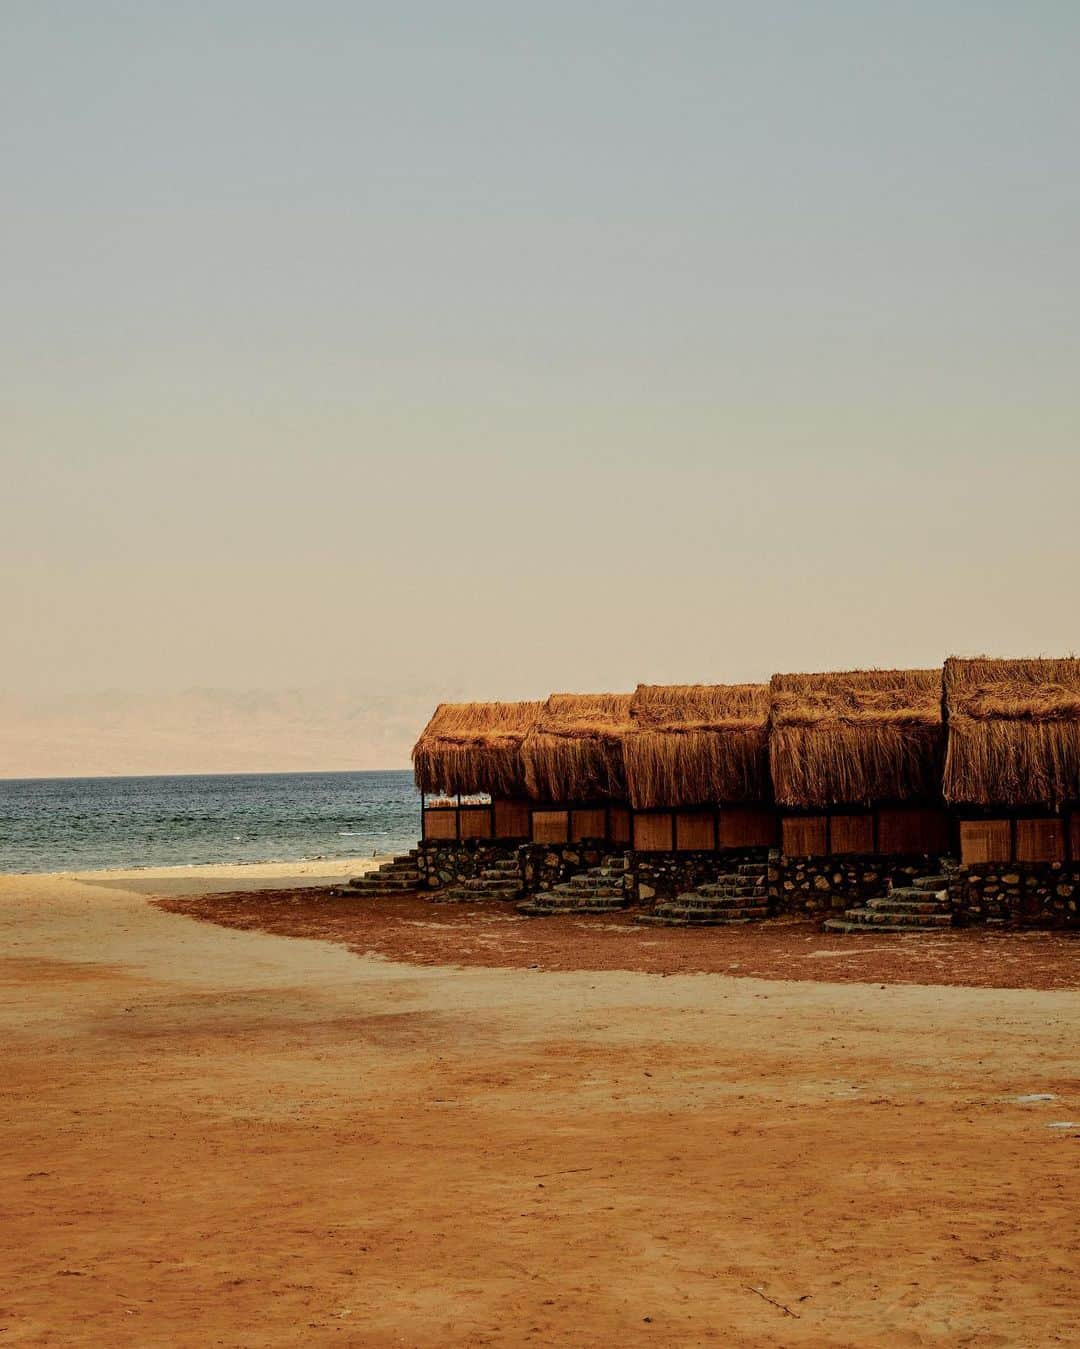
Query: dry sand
[219, 1137]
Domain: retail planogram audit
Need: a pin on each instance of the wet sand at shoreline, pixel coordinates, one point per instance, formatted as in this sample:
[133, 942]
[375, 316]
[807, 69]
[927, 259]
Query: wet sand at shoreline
[494, 935]
[213, 1136]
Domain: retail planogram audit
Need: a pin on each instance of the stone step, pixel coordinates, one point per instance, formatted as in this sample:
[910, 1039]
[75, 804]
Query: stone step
[483, 886]
[890, 904]
[878, 918]
[571, 895]
[848, 925]
[589, 881]
[917, 895]
[489, 874]
[674, 908]
[455, 894]
[734, 918]
[930, 883]
[753, 869]
[694, 900]
[722, 889]
[458, 894]
[383, 884]
[547, 903]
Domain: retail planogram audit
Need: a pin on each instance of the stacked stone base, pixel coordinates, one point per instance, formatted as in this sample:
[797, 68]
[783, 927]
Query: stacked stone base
[446, 864]
[600, 889]
[1016, 894]
[739, 896]
[397, 877]
[500, 881]
[922, 906]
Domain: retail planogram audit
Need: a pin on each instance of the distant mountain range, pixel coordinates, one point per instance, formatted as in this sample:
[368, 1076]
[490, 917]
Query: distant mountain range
[210, 731]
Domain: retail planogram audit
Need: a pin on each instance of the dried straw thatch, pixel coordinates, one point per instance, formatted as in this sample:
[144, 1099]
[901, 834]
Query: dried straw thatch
[575, 750]
[474, 747]
[858, 738]
[1014, 732]
[697, 744]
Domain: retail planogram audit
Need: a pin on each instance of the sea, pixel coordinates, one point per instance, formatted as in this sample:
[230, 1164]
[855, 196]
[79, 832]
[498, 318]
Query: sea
[92, 824]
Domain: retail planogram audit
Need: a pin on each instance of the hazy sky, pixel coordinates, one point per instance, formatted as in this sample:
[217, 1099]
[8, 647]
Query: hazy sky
[508, 347]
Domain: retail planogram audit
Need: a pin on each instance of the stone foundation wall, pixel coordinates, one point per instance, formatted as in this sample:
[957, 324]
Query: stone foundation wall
[447, 862]
[1023, 894]
[546, 864]
[827, 885]
[665, 875]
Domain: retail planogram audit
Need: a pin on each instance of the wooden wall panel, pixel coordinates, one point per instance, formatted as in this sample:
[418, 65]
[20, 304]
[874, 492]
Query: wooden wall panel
[748, 827]
[440, 822]
[653, 831]
[912, 831]
[804, 836]
[475, 821]
[588, 824]
[1074, 836]
[851, 834]
[550, 826]
[695, 831]
[1040, 841]
[511, 819]
[985, 841]
[620, 825]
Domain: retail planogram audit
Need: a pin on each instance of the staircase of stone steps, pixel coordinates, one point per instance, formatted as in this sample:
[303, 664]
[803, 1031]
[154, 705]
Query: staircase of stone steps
[501, 880]
[739, 896]
[922, 906]
[399, 876]
[598, 890]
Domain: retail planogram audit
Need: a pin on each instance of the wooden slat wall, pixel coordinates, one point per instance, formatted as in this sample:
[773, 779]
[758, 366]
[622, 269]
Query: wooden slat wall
[440, 822]
[805, 836]
[851, 834]
[985, 841]
[912, 831]
[1040, 841]
[748, 827]
[475, 821]
[1074, 836]
[511, 819]
[652, 831]
[620, 825]
[695, 831]
[588, 824]
[550, 826]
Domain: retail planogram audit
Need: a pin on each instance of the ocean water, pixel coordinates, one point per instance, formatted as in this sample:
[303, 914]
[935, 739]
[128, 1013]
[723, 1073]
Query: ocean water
[82, 824]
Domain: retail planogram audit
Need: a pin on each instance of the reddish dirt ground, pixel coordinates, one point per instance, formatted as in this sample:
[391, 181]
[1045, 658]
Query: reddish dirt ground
[493, 935]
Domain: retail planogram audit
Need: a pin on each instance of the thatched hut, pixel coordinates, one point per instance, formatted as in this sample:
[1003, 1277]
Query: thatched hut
[475, 748]
[863, 751]
[697, 744]
[691, 749]
[573, 757]
[1014, 751]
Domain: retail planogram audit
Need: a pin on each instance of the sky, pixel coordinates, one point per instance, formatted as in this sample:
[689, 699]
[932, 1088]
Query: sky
[479, 350]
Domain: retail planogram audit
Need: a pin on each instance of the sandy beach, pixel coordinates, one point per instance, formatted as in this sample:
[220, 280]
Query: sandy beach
[215, 1136]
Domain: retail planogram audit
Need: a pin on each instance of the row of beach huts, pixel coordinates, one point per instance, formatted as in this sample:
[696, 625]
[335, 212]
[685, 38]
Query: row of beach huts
[954, 791]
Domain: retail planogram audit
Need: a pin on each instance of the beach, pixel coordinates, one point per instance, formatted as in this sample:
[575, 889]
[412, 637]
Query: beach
[224, 1135]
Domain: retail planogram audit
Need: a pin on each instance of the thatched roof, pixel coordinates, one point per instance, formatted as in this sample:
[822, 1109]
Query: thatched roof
[474, 747]
[695, 744]
[856, 738]
[1014, 732]
[574, 751]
